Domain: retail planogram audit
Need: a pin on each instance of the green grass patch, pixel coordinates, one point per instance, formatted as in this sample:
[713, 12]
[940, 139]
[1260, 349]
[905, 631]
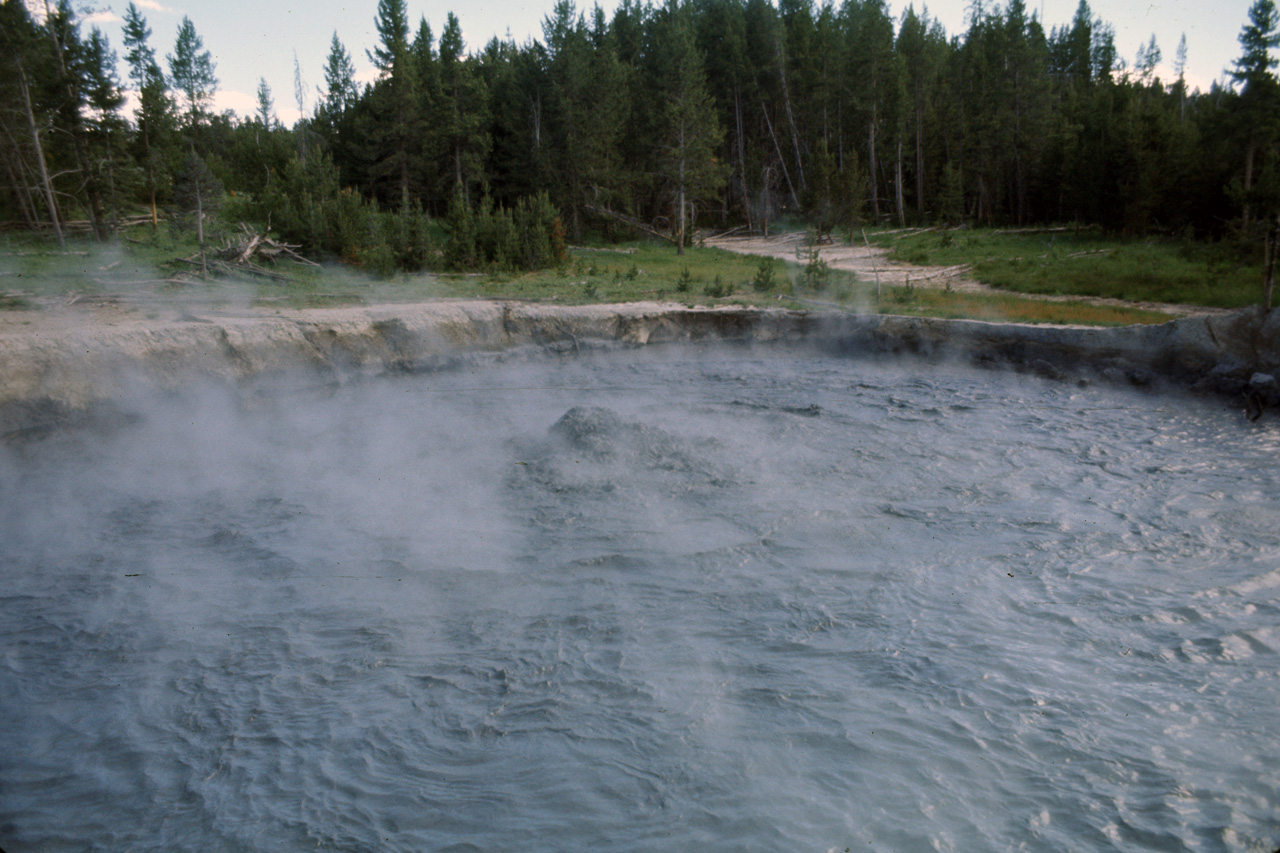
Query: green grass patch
[1008, 308]
[1086, 263]
[34, 268]
[141, 264]
[629, 272]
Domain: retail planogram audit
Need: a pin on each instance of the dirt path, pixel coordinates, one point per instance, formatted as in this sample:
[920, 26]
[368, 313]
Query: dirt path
[872, 264]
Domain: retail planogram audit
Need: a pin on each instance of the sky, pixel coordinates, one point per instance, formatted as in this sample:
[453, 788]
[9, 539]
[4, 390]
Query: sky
[250, 41]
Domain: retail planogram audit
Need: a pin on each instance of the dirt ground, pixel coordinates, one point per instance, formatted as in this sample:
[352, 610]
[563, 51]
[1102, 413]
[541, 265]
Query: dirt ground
[869, 263]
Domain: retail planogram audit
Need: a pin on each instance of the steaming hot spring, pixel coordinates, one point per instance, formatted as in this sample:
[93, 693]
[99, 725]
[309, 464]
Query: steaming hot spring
[707, 598]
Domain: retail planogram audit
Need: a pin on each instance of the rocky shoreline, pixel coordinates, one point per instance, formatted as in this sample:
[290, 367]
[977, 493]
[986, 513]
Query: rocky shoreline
[55, 370]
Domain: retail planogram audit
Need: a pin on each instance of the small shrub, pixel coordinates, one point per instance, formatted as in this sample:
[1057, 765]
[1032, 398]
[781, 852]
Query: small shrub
[378, 259]
[766, 277]
[816, 273]
[718, 289]
[685, 282]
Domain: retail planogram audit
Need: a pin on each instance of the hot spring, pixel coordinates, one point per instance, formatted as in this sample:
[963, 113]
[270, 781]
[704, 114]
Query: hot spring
[709, 599]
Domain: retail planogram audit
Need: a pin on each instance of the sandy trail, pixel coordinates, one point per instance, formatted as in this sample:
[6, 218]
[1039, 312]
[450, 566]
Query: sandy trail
[872, 264]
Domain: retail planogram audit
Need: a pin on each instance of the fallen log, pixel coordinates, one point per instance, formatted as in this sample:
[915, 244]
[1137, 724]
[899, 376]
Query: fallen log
[1057, 229]
[262, 246]
[946, 272]
[630, 221]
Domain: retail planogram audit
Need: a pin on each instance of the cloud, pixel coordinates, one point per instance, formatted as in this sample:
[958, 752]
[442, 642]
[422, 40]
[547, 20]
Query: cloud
[102, 16]
[243, 104]
[153, 6]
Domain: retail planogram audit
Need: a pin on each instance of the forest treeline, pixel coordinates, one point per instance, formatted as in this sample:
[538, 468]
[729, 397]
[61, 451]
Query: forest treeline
[658, 118]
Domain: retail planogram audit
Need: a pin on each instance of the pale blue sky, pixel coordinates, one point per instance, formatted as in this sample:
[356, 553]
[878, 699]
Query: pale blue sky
[250, 40]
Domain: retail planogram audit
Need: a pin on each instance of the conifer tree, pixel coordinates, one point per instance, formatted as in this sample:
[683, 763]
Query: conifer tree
[461, 117]
[197, 192]
[1258, 107]
[339, 90]
[689, 134]
[154, 113]
[335, 110]
[27, 76]
[585, 112]
[266, 105]
[394, 100]
[192, 69]
[105, 127]
[722, 40]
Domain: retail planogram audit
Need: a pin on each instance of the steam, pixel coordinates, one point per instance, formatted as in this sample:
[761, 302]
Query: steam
[788, 598]
[90, 275]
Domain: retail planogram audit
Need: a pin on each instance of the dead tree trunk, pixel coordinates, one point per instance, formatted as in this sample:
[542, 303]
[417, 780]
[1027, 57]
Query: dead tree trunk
[629, 221]
[45, 180]
[897, 189]
[21, 190]
[873, 168]
[786, 103]
[1269, 279]
[795, 199]
[742, 157]
[919, 158]
[1249, 152]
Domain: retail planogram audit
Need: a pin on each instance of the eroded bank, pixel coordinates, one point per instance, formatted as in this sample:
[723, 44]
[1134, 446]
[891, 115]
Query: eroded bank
[54, 371]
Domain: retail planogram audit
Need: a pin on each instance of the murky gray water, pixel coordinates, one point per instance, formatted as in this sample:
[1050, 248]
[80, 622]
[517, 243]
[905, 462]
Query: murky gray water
[708, 601]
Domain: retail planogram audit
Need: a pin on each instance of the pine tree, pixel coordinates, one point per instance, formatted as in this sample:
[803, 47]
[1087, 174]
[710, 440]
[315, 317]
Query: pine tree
[77, 72]
[154, 113]
[1179, 68]
[392, 22]
[1079, 46]
[585, 112]
[877, 85]
[461, 117]
[722, 40]
[266, 105]
[340, 90]
[105, 127]
[27, 76]
[192, 69]
[1258, 38]
[334, 112]
[394, 97]
[1258, 107]
[690, 135]
[197, 192]
[139, 53]
[1149, 56]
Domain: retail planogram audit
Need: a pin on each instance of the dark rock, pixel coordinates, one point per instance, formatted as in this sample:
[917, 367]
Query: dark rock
[1264, 386]
[1140, 378]
[1045, 370]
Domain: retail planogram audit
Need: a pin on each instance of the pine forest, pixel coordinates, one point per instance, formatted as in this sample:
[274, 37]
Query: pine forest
[688, 117]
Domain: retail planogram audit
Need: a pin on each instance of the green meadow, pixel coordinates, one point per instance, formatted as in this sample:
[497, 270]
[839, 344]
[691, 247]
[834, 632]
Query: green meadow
[142, 265]
[1086, 263]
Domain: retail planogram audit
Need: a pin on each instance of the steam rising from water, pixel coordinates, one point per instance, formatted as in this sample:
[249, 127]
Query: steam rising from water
[706, 601]
[96, 274]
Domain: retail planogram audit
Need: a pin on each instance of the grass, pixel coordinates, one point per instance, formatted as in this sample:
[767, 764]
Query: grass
[629, 272]
[1085, 263]
[1009, 308]
[143, 263]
